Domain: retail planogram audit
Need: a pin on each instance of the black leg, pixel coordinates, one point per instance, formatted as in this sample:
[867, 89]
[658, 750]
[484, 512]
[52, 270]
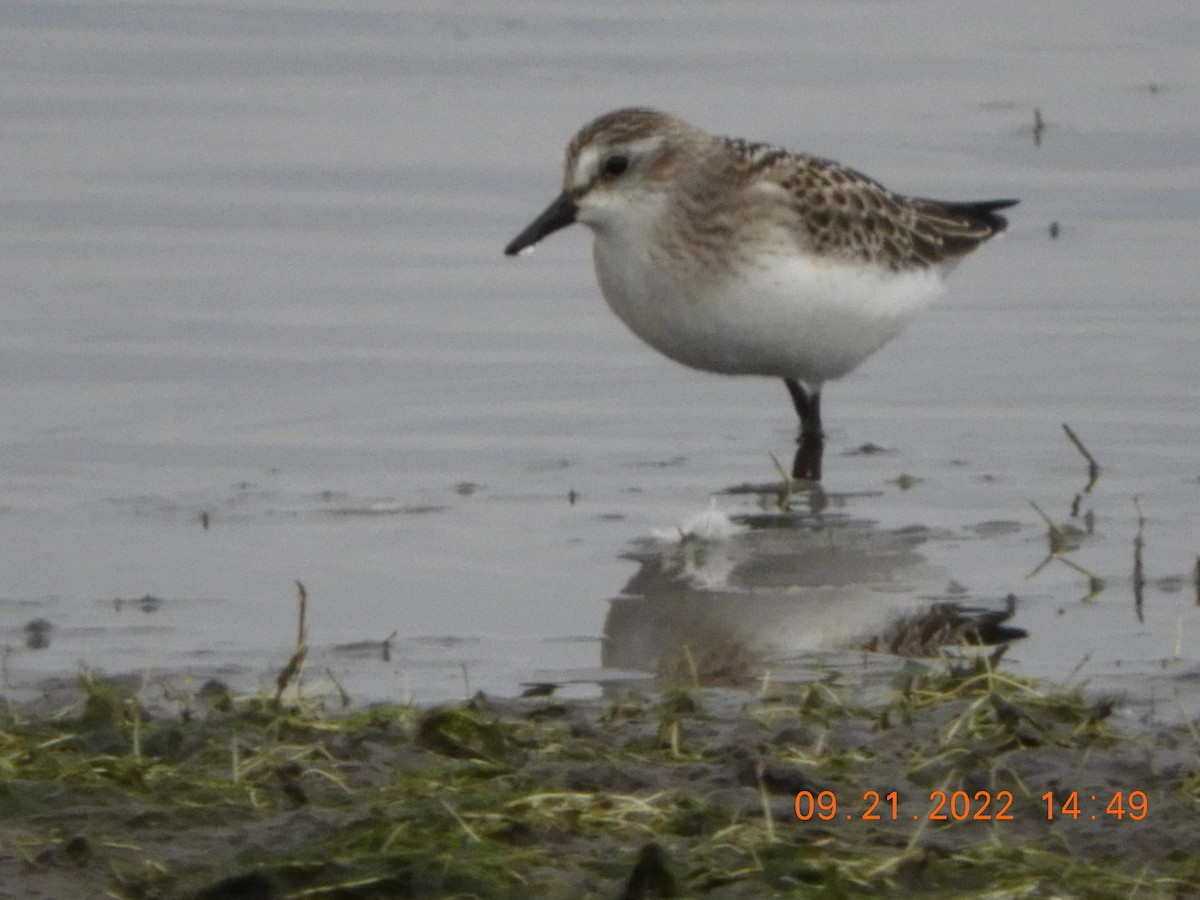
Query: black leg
[807, 464]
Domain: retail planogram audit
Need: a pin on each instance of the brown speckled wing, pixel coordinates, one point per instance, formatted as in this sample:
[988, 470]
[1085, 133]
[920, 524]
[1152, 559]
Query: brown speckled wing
[846, 215]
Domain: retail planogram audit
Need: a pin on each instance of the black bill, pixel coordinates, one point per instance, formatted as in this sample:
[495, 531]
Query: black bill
[558, 214]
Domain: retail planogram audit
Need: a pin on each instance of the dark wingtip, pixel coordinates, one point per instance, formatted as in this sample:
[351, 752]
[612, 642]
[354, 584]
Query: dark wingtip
[984, 212]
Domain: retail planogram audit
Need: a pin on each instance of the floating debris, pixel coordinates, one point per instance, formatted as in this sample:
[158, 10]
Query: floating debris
[37, 634]
[710, 526]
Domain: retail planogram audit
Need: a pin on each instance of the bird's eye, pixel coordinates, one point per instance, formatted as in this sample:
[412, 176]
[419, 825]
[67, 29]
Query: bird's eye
[615, 165]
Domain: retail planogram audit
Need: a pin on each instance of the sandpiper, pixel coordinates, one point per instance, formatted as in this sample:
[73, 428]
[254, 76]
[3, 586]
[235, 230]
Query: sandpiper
[746, 259]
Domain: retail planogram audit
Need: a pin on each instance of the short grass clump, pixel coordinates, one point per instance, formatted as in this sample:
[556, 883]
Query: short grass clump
[934, 786]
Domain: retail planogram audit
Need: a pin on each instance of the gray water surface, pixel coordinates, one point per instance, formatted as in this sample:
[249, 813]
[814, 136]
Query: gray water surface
[252, 274]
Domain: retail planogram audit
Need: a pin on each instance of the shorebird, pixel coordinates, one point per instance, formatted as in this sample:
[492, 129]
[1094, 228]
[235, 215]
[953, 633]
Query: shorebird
[746, 259]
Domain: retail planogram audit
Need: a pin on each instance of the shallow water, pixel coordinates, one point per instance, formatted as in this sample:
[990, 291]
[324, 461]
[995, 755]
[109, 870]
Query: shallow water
[252, 274]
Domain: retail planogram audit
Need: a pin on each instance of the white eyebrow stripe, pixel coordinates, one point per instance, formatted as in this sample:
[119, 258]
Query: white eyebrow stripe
[587, 164]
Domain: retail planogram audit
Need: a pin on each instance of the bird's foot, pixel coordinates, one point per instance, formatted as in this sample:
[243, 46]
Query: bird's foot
[807, 463]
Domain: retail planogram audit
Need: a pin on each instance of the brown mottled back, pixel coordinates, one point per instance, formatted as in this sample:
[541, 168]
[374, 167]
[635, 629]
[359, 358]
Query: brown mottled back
[852, 217]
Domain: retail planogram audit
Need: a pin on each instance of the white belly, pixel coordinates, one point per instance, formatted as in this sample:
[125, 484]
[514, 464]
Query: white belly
[791, 316]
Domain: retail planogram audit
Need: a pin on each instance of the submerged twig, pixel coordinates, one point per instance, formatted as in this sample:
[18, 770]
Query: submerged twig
[1095, 582]
[134, 712]
[1061, 539]
[1064, 539]
[1139, 573]
[292, 669]
[302, 633]
[1093, 466]
[289, 672]
[785, 490]
[1039, 126]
